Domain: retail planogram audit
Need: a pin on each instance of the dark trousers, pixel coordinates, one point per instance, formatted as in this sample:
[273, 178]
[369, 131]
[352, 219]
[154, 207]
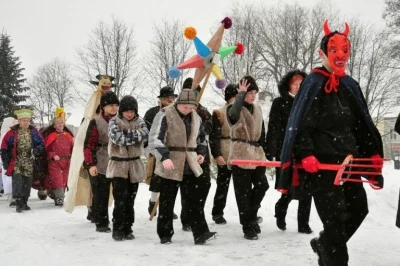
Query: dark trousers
[203, 183]
[221, 193]
[191, 195]
[250, 187]
[21, 186]
[341, 209]
[303, 212]
[124, 193]
[155, 183]
[101, 194]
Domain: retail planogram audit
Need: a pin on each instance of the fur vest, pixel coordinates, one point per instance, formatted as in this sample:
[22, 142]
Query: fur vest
[101, 152]
[248, 128]
[125, 160]
[176, 138]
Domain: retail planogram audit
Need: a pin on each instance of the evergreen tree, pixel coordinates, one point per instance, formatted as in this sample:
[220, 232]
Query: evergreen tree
[11, 79]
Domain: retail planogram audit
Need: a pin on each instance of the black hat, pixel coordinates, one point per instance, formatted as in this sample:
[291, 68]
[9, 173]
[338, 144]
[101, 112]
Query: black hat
[128, 103]
[230, 91]
[253, 84]
[109, 97]
[187, 84]
[166, 92]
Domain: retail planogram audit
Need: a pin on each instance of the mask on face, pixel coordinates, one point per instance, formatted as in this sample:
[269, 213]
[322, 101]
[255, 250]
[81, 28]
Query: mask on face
[337, 49]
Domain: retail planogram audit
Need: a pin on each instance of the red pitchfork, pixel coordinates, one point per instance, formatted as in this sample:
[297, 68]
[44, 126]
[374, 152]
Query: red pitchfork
[344, 168]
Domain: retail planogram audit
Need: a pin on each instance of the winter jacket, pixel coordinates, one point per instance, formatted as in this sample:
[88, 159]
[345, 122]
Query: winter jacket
[220, 139]
[180, 138]
[9, 149]
[125, 148]
[247, 132]
[96, 143]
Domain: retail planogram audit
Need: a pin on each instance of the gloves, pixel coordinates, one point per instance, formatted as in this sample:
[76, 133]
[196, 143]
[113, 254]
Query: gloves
[377, 160]
[378, 179]
[310, 164]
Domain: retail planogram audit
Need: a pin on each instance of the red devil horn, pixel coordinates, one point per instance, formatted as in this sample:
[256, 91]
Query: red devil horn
[346, 29]
[326, 28]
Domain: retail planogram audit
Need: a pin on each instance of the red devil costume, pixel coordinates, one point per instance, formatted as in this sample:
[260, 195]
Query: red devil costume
[329, 120]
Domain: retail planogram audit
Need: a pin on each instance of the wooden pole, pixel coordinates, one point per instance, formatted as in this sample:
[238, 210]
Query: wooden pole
[204, 84]
[153, 211]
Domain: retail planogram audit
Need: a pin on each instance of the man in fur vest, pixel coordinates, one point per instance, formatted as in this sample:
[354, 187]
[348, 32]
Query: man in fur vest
[127, 132]
[59, 142]
[21, 149]
[166, 98]
[220, 143]
[96, 159]
[248, 142]
[178, 143]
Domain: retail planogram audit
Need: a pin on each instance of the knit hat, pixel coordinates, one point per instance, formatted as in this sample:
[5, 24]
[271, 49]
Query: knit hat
[167, 91]
[109, 97]
[230, 91]
[251, 80]
[128, 103]
[187, 96]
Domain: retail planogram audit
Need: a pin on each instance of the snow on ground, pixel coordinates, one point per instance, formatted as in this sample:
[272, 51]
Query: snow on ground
[49, 236]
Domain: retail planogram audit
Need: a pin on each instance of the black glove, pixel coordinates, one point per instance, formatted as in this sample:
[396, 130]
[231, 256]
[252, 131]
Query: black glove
[378, 179]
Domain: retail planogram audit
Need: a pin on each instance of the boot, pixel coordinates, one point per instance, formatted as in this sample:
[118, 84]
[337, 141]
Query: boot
[174, 216]
[118, 235]
[25, 206]
[128, 234]
[165, 240]
[103, 229]
[202, 239]
[13, 203]
[281, 223]
[42, 194]
[186, 228]
[318, 248]
[219, 219]
[257, 229]
[305, 229]
[251, 235]
[151, 207]
[59, 202]
[19, 205]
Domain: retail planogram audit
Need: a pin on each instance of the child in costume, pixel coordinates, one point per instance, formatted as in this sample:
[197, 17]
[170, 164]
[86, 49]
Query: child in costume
[127, 132]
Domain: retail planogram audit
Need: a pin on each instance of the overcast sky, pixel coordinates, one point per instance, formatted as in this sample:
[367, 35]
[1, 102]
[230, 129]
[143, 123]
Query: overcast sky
[44, 29]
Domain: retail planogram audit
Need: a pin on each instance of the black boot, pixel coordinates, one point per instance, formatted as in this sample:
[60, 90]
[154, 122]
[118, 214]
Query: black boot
[13, 203]
[251, 235]
[25, 204]
[104, 229]
[305, 229]
[128, 234]
[202, 239]
[219, 219]
[281, 223]
[118, 235]
[174, 216]
[90, 216]
[165, 240]
[318, 248]
[186, 228]
[151, 207]
[19, 205]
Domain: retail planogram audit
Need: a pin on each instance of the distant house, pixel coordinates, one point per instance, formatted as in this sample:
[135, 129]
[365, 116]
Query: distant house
[390, 139]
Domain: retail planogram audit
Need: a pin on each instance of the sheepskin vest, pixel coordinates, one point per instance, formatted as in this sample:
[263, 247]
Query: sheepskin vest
[101, 153]
[125, 160]
[248, 128]
[176, 139]
[225, 141]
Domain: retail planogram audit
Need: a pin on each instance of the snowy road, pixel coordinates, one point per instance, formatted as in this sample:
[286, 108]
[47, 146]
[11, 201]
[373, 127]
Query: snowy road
[49, 236]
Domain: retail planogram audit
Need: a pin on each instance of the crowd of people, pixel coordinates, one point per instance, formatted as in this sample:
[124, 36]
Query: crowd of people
[318, 118]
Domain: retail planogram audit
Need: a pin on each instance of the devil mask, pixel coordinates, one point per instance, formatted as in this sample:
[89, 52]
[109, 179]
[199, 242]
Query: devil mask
[336, 47]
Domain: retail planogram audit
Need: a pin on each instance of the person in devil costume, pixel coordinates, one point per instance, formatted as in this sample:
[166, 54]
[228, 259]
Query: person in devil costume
[328, 121]
[278, 118]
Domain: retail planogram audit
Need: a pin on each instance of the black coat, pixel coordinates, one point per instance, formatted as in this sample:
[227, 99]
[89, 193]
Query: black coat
[312, 106]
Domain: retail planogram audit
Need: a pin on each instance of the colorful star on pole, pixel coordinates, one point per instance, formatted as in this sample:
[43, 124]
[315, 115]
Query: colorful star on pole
[208, 56]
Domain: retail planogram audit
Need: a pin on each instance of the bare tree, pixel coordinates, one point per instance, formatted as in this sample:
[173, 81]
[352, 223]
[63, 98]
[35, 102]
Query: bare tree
[51, 86]
[369, 65]
[168, 48]
[111, 50]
